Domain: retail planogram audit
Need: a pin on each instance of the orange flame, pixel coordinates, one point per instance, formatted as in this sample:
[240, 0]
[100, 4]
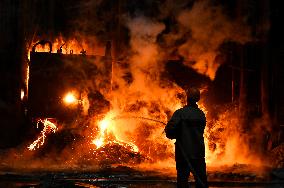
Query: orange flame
[157, 102]
[69, 46]
[106, 127]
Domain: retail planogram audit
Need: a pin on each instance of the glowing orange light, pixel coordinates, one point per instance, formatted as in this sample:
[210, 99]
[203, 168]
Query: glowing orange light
[22, 94]
[104, 124]
[106, 128]
[70, 98]
[98, 142]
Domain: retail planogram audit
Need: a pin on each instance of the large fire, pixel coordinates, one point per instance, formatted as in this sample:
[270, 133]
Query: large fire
[139, 112]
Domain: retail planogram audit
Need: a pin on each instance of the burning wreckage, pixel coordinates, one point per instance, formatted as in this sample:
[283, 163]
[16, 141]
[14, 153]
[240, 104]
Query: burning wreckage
[60, 93]
[57, 83]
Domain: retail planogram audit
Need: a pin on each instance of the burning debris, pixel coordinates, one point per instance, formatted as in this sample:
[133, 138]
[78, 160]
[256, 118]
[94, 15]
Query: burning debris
[106, 136]
[48, 128]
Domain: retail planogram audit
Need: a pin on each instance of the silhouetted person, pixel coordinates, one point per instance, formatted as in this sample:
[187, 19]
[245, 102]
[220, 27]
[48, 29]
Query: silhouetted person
[187, 127]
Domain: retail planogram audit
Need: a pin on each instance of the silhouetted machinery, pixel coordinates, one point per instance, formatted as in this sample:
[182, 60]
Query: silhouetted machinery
[60, 85]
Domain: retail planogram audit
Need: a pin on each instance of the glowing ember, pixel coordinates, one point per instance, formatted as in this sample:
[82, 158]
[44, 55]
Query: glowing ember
[133, 147]
[70, 98]
[27, 79]
[49, 127]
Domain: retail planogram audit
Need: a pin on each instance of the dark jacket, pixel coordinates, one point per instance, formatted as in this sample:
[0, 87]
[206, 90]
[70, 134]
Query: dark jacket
[187, 127]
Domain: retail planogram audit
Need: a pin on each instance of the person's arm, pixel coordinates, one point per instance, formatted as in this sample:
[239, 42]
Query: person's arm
[172, 126]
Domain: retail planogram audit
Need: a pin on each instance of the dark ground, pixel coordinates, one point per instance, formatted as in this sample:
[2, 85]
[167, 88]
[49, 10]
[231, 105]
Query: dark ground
[52, 181]
[125, 177]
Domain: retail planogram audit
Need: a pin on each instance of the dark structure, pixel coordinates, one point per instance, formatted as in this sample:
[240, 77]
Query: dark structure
[11, 59]
[54, 76]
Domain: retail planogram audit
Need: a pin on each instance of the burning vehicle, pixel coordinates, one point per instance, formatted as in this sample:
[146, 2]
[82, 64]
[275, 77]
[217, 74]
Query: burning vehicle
[65, 106]
[60, 88]
[58, 83]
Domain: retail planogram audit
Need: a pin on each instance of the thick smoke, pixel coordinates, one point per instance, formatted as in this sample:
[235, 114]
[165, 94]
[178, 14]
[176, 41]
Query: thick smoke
[145, 95]
[192, 31]
[203, 29]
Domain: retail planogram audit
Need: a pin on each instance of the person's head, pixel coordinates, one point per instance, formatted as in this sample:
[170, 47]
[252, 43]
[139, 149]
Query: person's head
[193, 95]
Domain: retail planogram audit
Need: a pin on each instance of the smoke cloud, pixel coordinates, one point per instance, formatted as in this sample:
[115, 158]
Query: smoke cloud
[204, 28]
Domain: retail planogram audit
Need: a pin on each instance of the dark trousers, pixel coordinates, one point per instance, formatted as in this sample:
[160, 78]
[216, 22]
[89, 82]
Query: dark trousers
[183, 172]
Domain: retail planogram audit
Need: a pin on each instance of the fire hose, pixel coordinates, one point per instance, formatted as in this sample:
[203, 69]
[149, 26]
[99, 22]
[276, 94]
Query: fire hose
[138, 117]
[177, 142]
